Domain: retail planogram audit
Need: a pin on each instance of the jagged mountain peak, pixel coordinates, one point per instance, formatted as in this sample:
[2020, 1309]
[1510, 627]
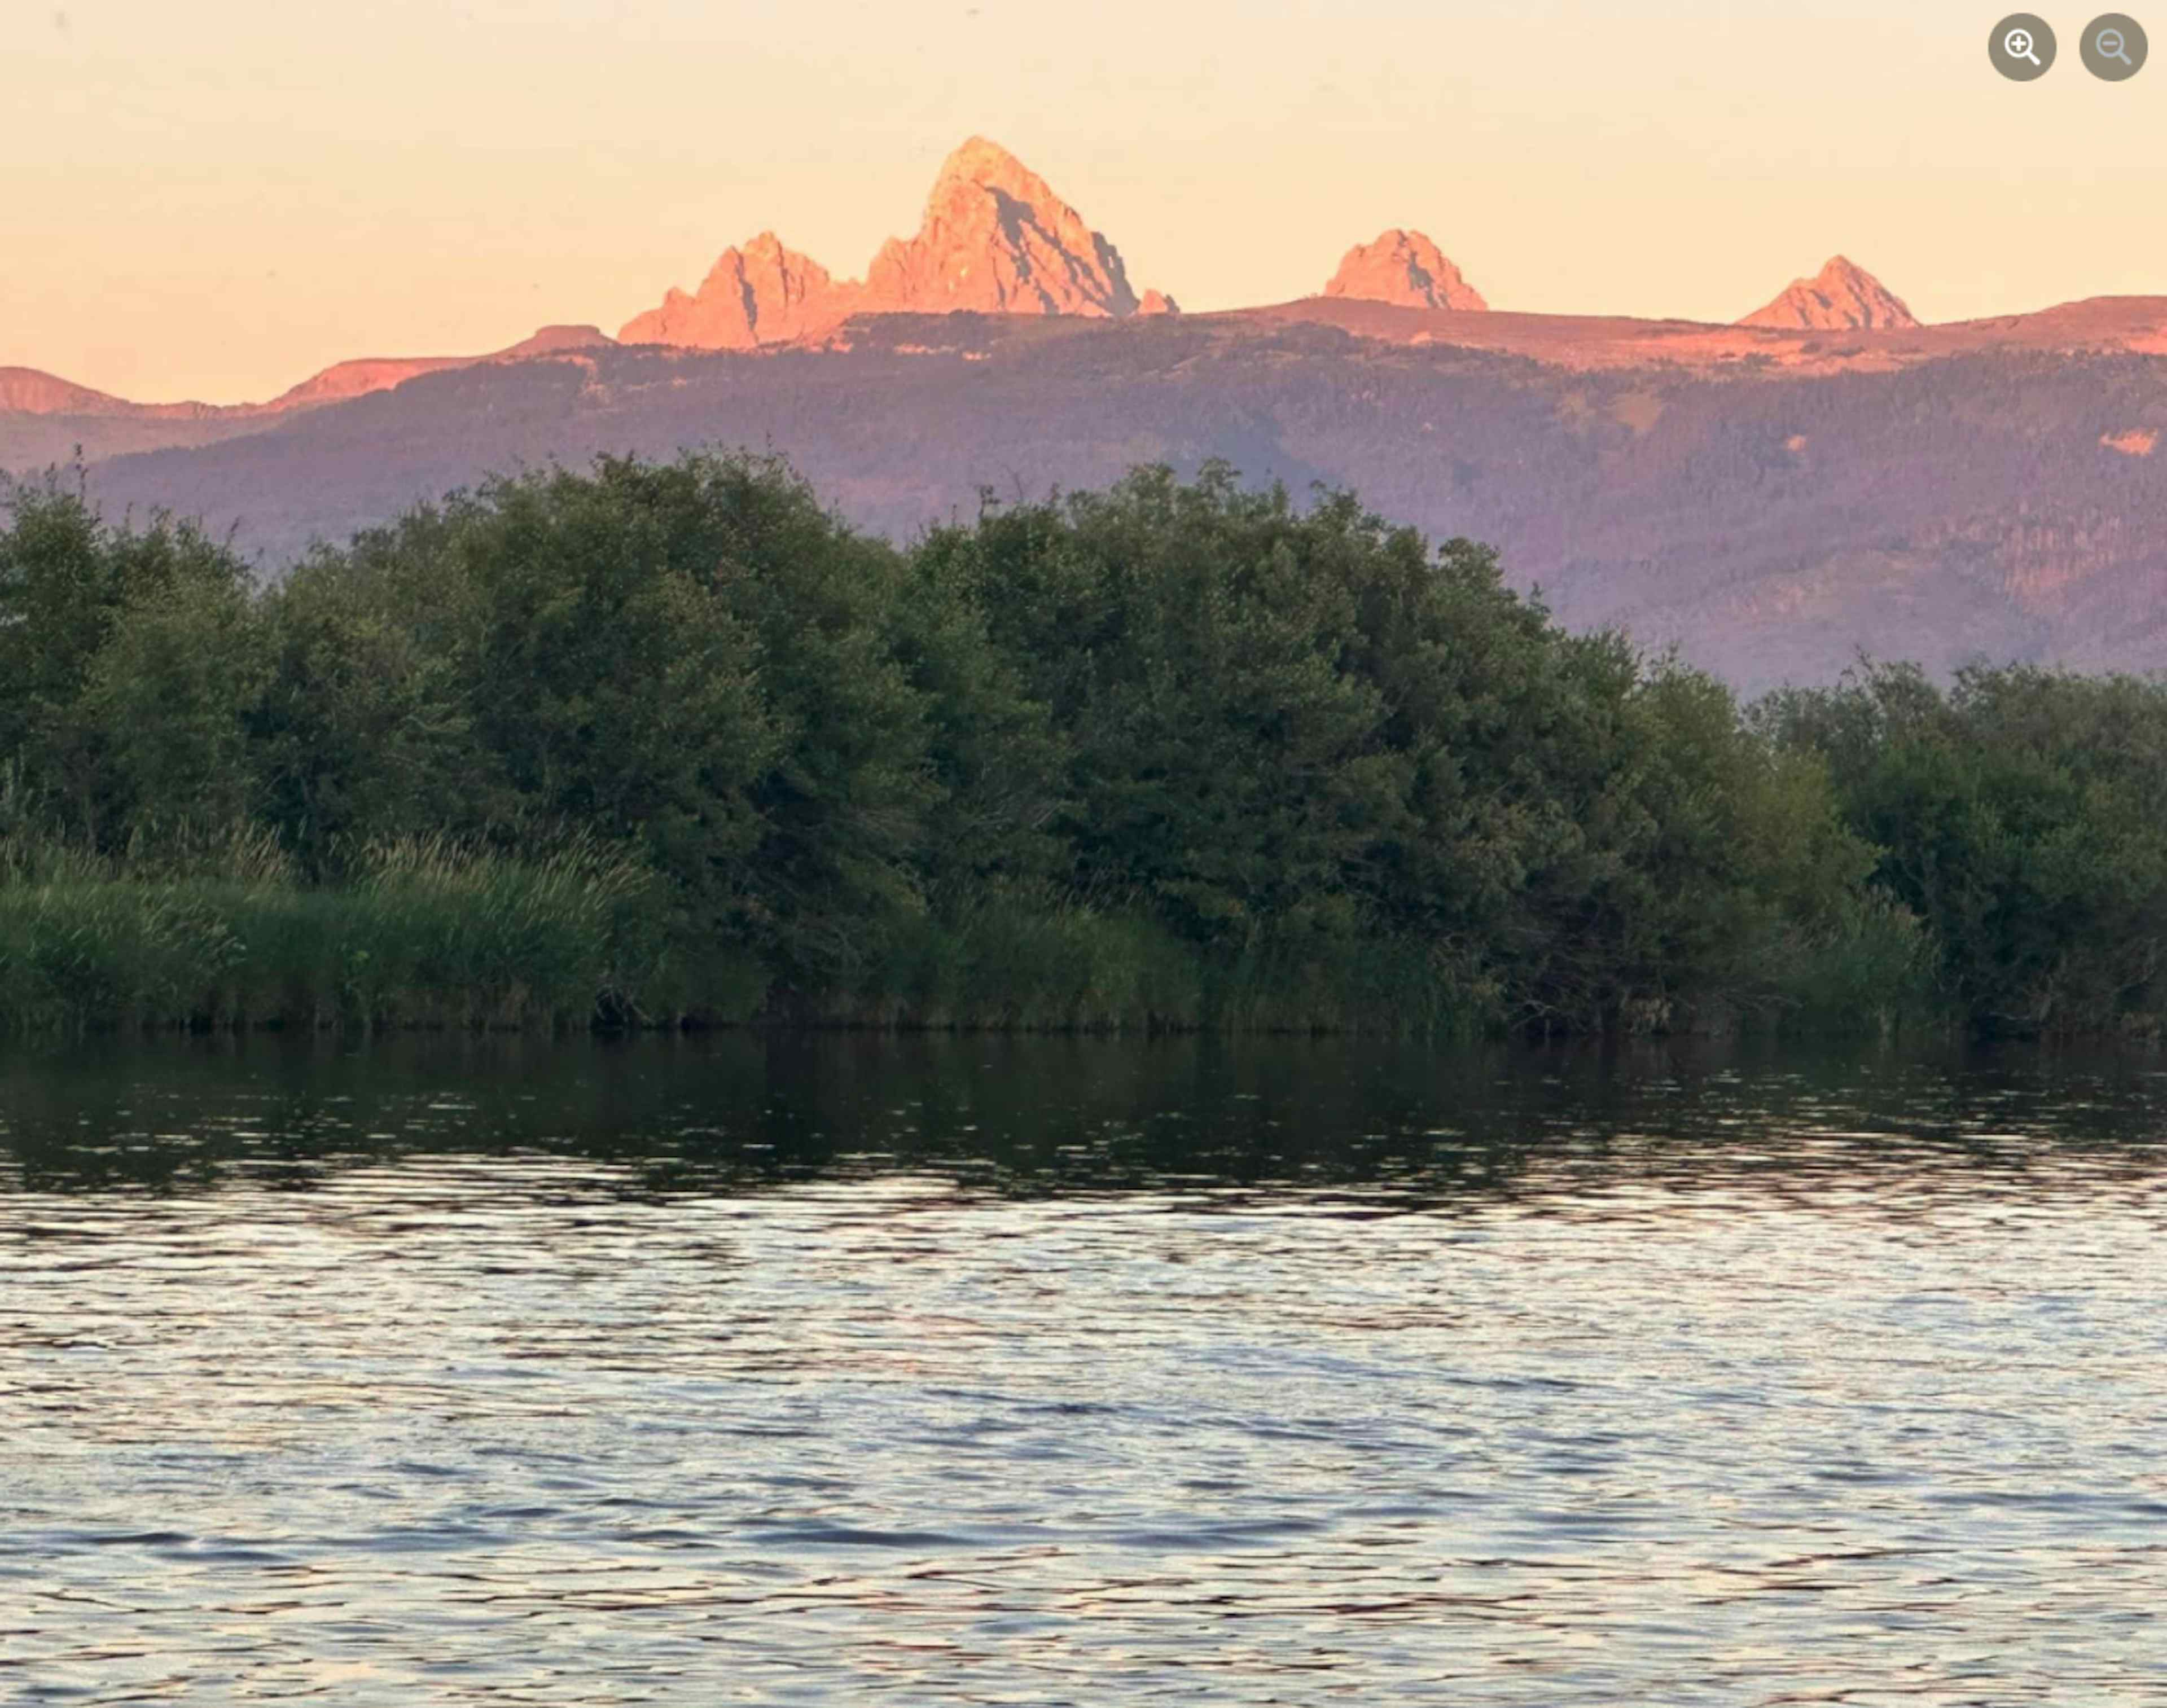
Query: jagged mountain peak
[979, 160]
[996, 238]
[1843, 296]
[765, 292]
[1404, 267]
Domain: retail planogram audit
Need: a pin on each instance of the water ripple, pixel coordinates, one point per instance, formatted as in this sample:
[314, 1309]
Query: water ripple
[1553, 1382]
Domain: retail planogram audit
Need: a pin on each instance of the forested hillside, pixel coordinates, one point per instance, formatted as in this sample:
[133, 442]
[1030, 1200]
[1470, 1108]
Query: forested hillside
[1991, 502]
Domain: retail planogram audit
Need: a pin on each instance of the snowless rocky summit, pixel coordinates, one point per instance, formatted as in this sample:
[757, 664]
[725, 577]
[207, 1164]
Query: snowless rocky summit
[995, 238]
[1403, 268]
[1843, 296]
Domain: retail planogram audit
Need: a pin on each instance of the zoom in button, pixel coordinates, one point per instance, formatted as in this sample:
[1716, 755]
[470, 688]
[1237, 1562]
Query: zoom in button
[2022, 46]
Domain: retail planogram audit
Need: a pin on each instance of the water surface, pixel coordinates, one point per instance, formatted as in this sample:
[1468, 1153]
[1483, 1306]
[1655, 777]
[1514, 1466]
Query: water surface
[1078, 1372]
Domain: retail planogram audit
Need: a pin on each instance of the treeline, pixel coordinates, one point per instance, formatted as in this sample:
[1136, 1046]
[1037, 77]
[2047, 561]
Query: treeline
[663, 743]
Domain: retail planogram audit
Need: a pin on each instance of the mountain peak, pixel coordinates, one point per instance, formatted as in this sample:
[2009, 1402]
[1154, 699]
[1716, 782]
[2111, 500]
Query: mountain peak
[1404, 267]
[997, 238]
[1843, 296]
[765, 292]
[979, 160]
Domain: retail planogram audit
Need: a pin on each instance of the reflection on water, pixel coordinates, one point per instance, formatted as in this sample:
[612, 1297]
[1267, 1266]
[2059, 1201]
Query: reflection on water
[1056, 1372]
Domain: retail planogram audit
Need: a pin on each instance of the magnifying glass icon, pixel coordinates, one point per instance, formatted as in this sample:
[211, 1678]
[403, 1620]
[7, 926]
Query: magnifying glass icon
[2018, 44]
[2111, 45]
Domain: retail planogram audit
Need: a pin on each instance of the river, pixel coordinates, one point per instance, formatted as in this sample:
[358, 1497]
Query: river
[1011, 1370]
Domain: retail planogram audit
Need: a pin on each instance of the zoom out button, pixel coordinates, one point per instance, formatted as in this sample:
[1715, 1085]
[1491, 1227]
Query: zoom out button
[2114, 47]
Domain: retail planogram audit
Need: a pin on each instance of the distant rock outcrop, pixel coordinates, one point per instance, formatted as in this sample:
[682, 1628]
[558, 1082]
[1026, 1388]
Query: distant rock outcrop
[359, 377]
[554, 341]
[29, 392]
[1841, 297]
[364, 374]
[1403, 268]
[994, 238]
[25, 391]
[763, 294]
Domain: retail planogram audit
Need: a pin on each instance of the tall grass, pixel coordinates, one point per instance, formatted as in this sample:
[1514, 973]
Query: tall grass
[215, 929]
[192, 931]
[1013, 965]
[1010, 963]
[1874, 977]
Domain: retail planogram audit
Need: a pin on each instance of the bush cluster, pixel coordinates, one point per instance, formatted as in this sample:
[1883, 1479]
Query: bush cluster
[654, 743]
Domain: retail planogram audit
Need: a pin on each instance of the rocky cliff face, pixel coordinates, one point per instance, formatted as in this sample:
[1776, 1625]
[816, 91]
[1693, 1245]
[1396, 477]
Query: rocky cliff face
[995, 238]
[1841, 297]
[763, 294]
[1403, 268]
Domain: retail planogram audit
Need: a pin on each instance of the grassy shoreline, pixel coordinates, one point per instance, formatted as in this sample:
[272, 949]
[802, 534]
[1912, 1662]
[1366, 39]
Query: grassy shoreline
[669, 744]
[431, 937]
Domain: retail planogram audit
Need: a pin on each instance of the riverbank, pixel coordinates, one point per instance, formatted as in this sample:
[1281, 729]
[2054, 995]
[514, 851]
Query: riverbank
[431, 938]
[672, 746]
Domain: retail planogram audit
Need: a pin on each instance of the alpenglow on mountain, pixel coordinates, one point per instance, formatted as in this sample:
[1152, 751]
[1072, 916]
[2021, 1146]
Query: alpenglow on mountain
[995, 238]
[1403, 268]
[1843, 296]
[763, 294]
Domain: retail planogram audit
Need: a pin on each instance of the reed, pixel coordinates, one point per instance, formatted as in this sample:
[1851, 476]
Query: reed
[1017, 965]
[429, 932]
[199, 928]
[1873, 977]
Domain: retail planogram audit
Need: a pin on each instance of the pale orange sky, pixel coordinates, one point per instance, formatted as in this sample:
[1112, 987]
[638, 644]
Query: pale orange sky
[215, 200]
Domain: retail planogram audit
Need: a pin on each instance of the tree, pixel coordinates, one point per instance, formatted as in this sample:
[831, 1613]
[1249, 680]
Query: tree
[87, 735]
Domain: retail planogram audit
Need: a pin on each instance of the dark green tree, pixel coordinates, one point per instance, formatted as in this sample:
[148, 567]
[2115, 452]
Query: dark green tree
[128, 659]
[2017, 814]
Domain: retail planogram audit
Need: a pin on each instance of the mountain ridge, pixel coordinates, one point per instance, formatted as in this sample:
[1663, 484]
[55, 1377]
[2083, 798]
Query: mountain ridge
[2134, 323]
[993, 236]
[1769, 516]
[1769, 495]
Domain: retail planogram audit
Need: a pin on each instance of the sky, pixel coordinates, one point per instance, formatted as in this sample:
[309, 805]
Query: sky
[214, 200]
